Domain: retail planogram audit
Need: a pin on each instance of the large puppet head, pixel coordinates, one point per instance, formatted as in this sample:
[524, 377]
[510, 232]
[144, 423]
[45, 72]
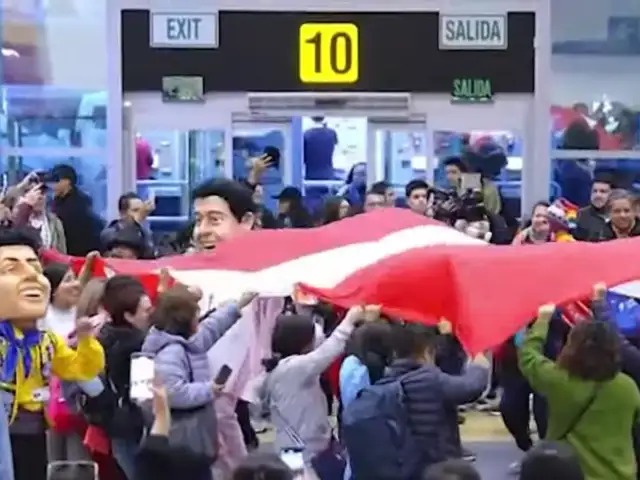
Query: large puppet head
[24, 291]
[223, 209]
[562, 216]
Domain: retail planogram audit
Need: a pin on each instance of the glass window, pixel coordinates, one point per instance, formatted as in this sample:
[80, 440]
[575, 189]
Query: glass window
[91, 172]
[589, 139]
[169, 164]
[334, 157]
[42, 127]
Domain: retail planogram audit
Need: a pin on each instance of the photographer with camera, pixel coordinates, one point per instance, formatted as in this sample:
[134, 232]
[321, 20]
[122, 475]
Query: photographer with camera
[464, 210]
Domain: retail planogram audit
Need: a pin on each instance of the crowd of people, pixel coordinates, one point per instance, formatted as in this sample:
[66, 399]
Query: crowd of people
[68, 339]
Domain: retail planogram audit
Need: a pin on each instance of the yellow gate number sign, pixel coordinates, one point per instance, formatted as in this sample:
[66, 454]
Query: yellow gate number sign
[328, 53]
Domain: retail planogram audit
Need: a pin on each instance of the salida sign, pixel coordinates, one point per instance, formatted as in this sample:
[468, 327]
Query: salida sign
[473, 32]
[471, 90]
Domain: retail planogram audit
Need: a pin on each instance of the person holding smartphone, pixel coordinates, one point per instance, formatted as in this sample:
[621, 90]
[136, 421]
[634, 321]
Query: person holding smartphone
[179, 340]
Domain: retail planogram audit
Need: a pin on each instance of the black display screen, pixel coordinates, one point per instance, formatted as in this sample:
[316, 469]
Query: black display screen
[300, 51]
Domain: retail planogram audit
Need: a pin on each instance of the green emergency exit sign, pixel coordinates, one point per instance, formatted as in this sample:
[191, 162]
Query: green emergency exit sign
[471, 90]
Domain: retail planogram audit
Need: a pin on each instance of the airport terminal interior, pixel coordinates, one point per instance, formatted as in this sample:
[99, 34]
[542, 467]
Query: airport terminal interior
[46, 119]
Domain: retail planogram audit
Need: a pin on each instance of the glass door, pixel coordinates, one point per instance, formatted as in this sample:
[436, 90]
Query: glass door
[166, 158]
[398, 153]
[253, 138]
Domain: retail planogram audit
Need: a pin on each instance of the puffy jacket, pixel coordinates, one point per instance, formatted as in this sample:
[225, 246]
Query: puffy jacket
[182, 363]
[432, 398]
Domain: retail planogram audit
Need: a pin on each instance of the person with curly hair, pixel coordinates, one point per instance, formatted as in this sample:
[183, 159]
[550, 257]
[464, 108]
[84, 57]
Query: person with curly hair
[593, 406]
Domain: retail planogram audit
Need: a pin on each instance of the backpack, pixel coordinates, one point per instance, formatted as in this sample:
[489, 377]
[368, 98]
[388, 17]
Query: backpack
[378, 412]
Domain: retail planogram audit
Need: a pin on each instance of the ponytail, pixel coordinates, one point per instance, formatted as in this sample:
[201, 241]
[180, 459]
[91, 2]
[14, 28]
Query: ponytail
[272, 362]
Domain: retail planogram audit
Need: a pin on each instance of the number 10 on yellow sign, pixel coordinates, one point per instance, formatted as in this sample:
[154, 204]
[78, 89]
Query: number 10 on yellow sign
[329, 53]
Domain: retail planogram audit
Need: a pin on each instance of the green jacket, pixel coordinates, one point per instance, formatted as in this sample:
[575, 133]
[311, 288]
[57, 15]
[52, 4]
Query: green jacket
[602, 437]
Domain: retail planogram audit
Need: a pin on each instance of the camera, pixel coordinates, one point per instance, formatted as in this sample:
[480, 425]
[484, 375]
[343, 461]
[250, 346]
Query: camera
[451, 206]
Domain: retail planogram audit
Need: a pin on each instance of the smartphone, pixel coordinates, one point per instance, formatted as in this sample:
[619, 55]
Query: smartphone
[141, 377]
[292, 457]
[471, 181]
[72, 471]
[223, 375]
[274, 154]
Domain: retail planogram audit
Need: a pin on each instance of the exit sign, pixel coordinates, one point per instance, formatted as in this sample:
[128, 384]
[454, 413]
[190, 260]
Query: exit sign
[183, 30]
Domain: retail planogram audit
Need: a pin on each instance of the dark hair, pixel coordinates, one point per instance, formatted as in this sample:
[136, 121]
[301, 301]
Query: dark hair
[527, 221]
[456, 162]
[262, 466]
[55, 272]
[372, 344]
[129, 236]
[416, 184]
[175, 312]
[331, 209]
[592, 352]
[580, 136]
[291, 335]
[238, 197]
[122, 294]
[124, 200]
[603, 177]
[551, 460]
[379, 188]
[349, 179]
[317, 119]
[10, 237]
[454, 469]
[413, 339]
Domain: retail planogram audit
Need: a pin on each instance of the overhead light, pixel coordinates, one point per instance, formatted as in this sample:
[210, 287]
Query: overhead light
[10, 52]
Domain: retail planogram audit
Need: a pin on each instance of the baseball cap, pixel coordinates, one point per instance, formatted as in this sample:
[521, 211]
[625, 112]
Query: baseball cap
[550, 459]
[62, 172]
[289, 193]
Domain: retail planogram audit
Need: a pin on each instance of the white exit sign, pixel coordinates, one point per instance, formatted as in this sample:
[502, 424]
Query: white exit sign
[184, 30]
[473, 32]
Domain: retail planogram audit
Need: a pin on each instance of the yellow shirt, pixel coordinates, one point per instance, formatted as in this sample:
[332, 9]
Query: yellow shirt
[53, 357]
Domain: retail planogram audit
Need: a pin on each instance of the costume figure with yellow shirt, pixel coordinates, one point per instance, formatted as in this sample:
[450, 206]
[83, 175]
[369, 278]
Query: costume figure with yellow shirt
[29, 356]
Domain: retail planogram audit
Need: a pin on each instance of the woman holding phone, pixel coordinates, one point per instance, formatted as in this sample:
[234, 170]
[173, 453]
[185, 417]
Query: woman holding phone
[179, 340]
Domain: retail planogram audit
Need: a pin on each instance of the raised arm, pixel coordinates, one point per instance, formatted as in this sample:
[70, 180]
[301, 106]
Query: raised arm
[469, 385]
[318, 360]
[543, 374]
[215, 325]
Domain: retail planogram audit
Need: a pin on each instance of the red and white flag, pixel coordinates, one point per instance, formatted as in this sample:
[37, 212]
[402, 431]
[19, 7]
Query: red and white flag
[416, 268]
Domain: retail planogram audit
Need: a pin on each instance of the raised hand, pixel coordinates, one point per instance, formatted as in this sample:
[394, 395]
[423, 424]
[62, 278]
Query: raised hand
[86, 272]
[546, 311]
[599, 292]
[165, 280]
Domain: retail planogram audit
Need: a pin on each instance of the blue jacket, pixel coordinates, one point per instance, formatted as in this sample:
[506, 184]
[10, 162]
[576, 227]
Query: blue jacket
[629, 353]
[432, 400]
[182, 363]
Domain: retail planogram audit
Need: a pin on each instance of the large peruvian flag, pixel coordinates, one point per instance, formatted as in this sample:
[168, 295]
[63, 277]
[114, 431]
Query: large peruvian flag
[416, 268]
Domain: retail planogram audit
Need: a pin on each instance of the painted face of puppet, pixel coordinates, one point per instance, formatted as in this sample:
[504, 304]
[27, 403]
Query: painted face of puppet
[24, 290]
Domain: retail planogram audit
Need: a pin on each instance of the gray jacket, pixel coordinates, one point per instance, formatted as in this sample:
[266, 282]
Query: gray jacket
[182, 364]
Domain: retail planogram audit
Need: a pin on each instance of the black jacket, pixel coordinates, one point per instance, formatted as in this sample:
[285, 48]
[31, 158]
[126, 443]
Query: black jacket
[607, 233]
[81, 225]
[590, 223]
[114, 410]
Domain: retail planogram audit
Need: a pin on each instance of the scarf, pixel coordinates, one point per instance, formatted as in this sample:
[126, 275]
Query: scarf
[17, 348]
